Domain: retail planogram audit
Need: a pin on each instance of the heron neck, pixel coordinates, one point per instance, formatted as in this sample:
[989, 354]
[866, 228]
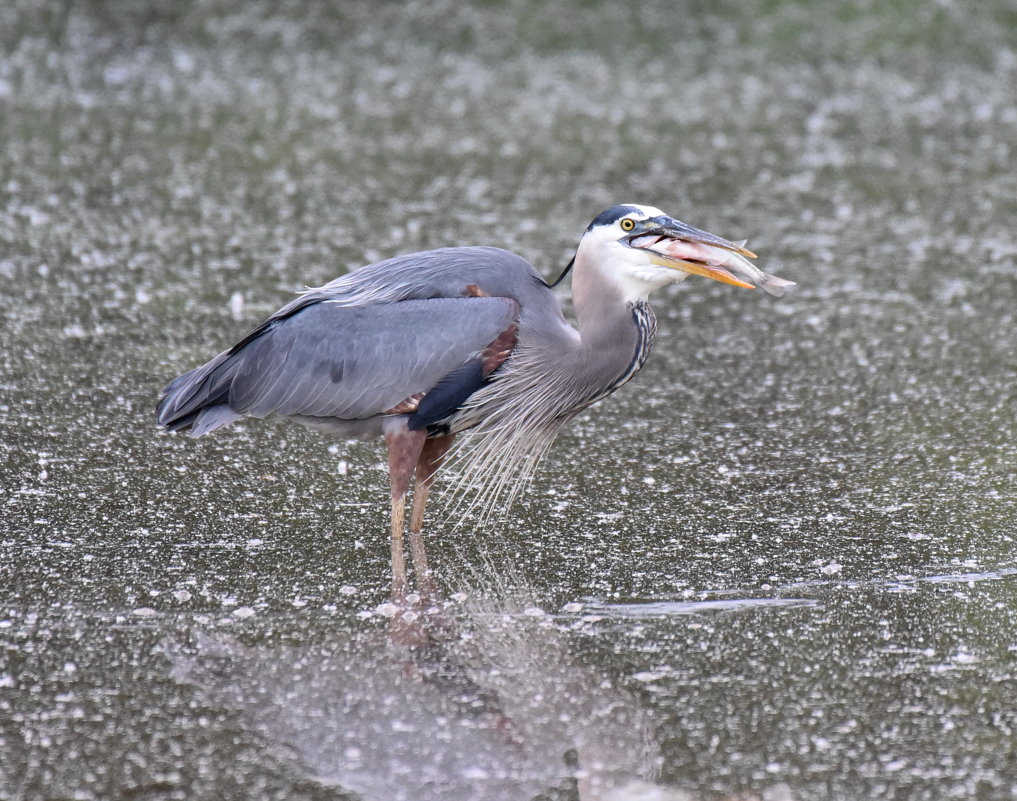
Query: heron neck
[615, 332]
[602, 305]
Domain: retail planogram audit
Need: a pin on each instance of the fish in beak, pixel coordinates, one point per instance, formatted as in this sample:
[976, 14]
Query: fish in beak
[673, 244]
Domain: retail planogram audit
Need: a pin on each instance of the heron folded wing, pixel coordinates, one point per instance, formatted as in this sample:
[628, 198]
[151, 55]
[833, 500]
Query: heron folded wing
[448, 394]
[352, 362]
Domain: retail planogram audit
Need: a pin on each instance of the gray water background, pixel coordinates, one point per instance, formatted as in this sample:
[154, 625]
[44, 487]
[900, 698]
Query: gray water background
[785, 552]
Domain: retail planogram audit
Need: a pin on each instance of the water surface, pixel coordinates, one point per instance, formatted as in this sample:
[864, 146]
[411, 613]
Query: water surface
[778, 565]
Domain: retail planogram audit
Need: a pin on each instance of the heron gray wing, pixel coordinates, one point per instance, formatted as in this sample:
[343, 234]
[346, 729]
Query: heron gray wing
[353, 362]
[187, 402]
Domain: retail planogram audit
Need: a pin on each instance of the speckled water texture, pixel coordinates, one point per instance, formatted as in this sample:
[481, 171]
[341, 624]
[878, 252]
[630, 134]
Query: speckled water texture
[779, 565]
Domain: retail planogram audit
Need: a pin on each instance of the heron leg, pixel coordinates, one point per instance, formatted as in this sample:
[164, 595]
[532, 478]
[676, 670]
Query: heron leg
[431, 457]
[404, 447]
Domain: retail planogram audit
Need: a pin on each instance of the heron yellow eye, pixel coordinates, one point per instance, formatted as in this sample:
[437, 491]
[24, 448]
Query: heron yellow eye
[628, 224]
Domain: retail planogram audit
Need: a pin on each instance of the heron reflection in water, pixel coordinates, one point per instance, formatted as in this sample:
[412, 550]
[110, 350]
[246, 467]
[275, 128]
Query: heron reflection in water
[478, 697]
[469, 340]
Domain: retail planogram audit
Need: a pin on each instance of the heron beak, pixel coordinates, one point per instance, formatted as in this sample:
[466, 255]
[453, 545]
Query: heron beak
[673, 244]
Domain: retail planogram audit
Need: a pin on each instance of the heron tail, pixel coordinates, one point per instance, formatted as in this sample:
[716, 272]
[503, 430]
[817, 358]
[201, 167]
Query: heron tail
[198, 401]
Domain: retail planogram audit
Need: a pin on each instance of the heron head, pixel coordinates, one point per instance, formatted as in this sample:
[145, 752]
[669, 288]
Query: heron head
[642, 249]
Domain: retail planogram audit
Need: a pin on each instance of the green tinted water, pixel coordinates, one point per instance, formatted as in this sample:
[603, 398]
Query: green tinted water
[778, 565]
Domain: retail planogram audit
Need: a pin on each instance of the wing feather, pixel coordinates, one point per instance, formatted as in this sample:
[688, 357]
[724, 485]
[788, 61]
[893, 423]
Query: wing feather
[353, 362]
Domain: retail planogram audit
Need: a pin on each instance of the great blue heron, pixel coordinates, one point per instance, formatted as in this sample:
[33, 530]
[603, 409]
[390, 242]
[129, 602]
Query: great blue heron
[421, 347]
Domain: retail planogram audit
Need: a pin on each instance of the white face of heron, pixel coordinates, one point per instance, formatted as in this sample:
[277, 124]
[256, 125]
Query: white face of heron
[603, 250]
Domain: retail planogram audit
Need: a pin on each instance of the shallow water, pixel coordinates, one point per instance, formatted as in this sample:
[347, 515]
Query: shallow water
[779, 564]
